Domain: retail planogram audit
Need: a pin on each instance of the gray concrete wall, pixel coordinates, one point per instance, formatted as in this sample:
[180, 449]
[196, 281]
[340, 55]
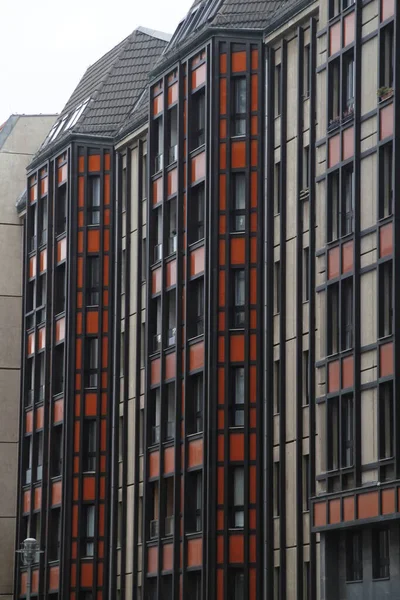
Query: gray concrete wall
[26, 133]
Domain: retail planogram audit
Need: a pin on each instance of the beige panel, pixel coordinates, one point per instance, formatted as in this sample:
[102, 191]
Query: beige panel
[291, 189]
[131, 442]
[368, 189]
[368, 311]
[7, 537]
[320, 462]
[369, 420]
[291, 496]
[290, 381]
[369, 75]
[321, 102]
[306, 421]
[291, 571]
[130, 527]
[292, 87]
[10, 327]
[276, 532]
[277, 136]
[291, 282]
[133, 273]
[8, 478]
[11, 261]
[9, 405]
[306, 538]
[132, 357]
[369, 476]
[320, 206]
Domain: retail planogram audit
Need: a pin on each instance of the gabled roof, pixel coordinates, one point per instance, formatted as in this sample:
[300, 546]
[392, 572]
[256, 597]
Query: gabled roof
[109, 88]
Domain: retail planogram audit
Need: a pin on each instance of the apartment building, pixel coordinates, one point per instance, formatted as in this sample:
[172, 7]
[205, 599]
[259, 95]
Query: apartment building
[20, 137]
[229, 421]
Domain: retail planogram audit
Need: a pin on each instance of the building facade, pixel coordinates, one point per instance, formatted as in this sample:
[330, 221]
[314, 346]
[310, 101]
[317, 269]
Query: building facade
[20, 137]
[228, 240]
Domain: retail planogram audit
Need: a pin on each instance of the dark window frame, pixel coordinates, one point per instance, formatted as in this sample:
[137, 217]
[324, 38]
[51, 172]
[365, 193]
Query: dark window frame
[93, 199]
[239, 109]
[380, 553]
[354, 557]
[238, 295]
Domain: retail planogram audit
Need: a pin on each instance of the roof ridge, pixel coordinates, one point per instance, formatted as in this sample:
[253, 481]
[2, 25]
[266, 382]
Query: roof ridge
[155, 33]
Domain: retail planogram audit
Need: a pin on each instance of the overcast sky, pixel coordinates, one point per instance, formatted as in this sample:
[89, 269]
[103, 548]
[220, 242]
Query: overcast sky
[46, 45]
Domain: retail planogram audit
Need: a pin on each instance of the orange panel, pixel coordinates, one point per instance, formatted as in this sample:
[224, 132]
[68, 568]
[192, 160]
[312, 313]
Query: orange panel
[104, 358]
[173, 181]
[78, 353]
[236, 548]
[198, 167]
[221, 419]
[54, 578]
[80, 242]
[173, 94]
[105, 321]
[334, 511]
[334, 150]
[35, 581]
[347, 257]
[222, 63]
[94, 162]
[27, 501]
[222, 224]
[107, 161]
[195, 553]
[196, 356]
[253, 286]
[37, 498]
[170, 365]
[62, 173]
[158, 104]
[319, 514]
[254, 125]
[220, 486]
[81, 191]
[236, 446]
[348, 143]
[81, 163]
[221, 321]
[154, 464]
[90, 405]
[222, 96]
[221, 384]
[152, 560]
[254, 59]
[92, 321]
[387, 9]
[253, 319]
[42, 338]
[253, 446]
[86, 574]
[75, 521]
[32, 267]
[333, 263]
[60, 329]
[106, 243]
[222, 191]
[254, 93]
[222, 247]
[43, 261]
[386, 121]
[253, 518]
[199, 76]
[195, 453]
[29, 421]
[31, 343]
[157, 190]
[107, 216]
[61, 250]
[33, 193]
[100, 579]
[348, 33]
[77, 428]
[253, 250]
[220, 583]
[238, 251]
[168, 557]
[333, 376]
[237, 348]
[388, 502]
[222, 159]
[220, 549]
[221, 349]
[156, 281]
[334, 38]
[238, 62]
[254, 150]
[221, 297]
[386, 360]
[39, 417]
[252, 549]
[347, 372]
[155, 371]
[106, 190]
[89, 488]
[238, 155]
[101, 519]
[56, 493]
[93, 240]
[368, 505]
[253, 418]
[222, 129]
[220, 444]
[253, 383]
[169, 460]
[220, 519]
[386, 240]
[171, 274]
[348, 509]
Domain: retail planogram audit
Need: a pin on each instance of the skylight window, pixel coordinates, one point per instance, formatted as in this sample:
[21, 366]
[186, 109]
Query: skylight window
[77, 114]
[60, 125]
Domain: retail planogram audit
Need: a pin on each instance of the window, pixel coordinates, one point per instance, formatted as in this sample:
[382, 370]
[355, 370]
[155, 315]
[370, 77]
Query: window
[333, 319]
[194, 585]
[169, 506]
[32, 228]
[123, 187]
[306, 274]
[43, 221]
[307, 72]
[347, 313]
[349, 82]
[237, 496]
[340, 423]
[386, 71]
[55, 534]
[386, 420]
[170, 433]
[27, 459]
[56, 453]
[35, 531]
[59, 289]
[277, 188]
[155, 412]
[277, 583]
[277, 287]
[277, 489]
[237, 592]
[347, 431]
[380, 554]
[306, 482]
[93, 208]
[172, 135]
[41, 371]
[30, 382]
[172, 226]
[58, 369]
[239, 208]
[278, 90]
[306, 580]
[89, 444]
[91, 361]
[354, 564]
[194, 501]
[158, 141]
[333, 206]
[88, 518]
[199, 119]
[93, 280]
[238, 397]
[61, 208]
[306, 379]
[239, 118]
[306, 168]
[158, 230]
[171, 308]
[156, 324]
[277, 386]
[333, 434]
[196, 307]
[41, 299]
[154, 490]
[348, 202]
[195, 408]
[39, 455]
[239, 295]
[386, 299]
[196, 214]
[386, 180]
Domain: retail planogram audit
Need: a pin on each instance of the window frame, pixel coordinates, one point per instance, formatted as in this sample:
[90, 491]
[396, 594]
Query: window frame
[93, 200]
[239, 112]
[239, 298]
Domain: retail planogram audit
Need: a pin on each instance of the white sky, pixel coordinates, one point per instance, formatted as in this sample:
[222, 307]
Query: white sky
[46, 45]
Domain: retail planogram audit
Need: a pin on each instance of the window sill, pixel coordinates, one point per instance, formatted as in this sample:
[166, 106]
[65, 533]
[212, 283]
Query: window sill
[241, 136]
[377, 580]
[354, 581]
[198, 150]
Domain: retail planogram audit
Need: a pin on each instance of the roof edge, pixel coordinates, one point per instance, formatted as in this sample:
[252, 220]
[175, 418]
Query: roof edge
[160, 35]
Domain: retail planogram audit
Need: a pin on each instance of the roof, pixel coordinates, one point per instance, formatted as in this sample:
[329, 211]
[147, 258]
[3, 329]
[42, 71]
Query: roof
[110, 88]
[254, 15]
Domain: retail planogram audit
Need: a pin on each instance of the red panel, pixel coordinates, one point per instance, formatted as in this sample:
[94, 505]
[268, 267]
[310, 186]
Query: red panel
[157, 190]
[221, 295]
[196, 356]
[222, 191]
[158, 104]
[348, 32]
[54, 578]
[35, 581]
[170, 365]
[86, 574]
[93, 240]
[348, 509]
[347, 372]
[387, 8]
[222, 247]
[89, 489]
[348, 143]
[222, 63]
[32, 267]
[334, 511]
[156, 281]
[39, 418]
[254, 150]
[195, 453]
[198, 167]
[238, 251]
[94, 163]
[199, 76]
[222, 129]
[168, 557]
[197, 261]
[43, 261]
[29, 422]
[172, 93]
[236, 446]
[238, 62]
[238, 154]
[333, 376]
[220, 584]
[386, 240]
[169, 458]
[334, 38]
[155, 371]
[368, 505]
[320, 514]
[195, 552]
[334, 150]
[56, 493]
[388, 502]
[221, 451]
[222, 96]
[27, 501]
[386, 121]
[154, 464]
[220, 486]
[254, 93]
[236, 548]
[37, 498]
[254, 59]
[172, 182]
[386, 360]
[237, 348]
[42, 338]
[347, 257]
